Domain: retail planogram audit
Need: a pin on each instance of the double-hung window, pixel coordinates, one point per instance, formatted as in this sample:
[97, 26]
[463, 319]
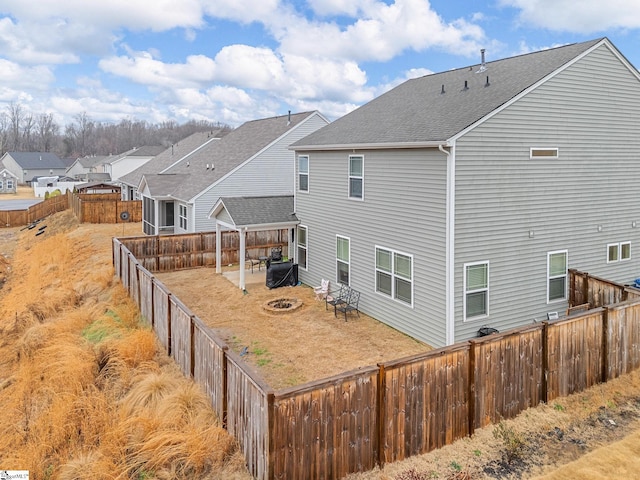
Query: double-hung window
[394, 274]
[476, 290]
[302, 247]
[557, 264]
[182, 214]
[10, 184]
[356, 176]
[342, 259]
[303, 173]
[618, 252]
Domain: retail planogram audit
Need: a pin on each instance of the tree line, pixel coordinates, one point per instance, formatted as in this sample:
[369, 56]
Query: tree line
[23, 131]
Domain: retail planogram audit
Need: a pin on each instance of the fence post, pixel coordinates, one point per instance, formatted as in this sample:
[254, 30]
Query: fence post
[605, 345]
[270, 432]
[585, 290]
[192, 342]
[169, 324]
[545, 361]
[472, 388]
[380, 403]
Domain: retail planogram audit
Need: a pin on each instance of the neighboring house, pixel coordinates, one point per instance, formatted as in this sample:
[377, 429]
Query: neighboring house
[117, 166]
[460, 200]
[89, 168]
[252, 160]
[8, 182]
[28, 165]
[165, 159]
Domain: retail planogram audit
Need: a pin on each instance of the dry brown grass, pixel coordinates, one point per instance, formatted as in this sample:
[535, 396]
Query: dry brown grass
[85, 391]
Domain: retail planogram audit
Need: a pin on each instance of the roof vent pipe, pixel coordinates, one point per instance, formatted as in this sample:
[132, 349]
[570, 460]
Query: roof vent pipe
[442, 91]
[483, 64]
[487, 84]
[289, 118]
[466, 87]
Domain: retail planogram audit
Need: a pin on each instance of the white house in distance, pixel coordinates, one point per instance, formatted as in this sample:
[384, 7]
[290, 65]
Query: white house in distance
[89, 168]
[174, 154]
[118, 166]
[252, 160]
[26, 166]
[460, 199]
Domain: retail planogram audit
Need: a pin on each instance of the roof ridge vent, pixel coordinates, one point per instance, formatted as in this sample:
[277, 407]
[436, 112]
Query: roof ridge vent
[483, 64]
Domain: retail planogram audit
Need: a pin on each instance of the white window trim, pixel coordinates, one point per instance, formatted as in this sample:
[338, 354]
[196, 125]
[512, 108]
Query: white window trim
[305, 248]
[465, 292]
[566, 275]
[393, 285]
[338, 260]
[533, 149]
[183, 218]
[307, 174]
[349, 177]
[619, 245]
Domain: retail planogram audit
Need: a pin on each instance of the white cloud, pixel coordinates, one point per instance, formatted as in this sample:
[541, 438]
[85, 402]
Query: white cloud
[585, 16]
[382, 32]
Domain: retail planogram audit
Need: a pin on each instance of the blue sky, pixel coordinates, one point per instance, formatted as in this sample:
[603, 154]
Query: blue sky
[236, 60]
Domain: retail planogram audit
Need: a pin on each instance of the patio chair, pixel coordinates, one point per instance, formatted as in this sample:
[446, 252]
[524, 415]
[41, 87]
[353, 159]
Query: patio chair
[350, 305]
[322, 291]
[336, 298]
[252, 261]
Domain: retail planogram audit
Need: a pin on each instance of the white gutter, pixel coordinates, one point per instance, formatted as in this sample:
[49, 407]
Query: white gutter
[450, 243]
[368, 146]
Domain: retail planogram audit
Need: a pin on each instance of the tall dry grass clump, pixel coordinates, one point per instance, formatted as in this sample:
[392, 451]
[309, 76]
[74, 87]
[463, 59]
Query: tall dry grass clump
[85, 391]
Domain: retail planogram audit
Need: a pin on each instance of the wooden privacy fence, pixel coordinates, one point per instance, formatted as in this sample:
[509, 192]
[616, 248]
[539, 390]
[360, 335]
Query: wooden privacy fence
[19, 218]
[165, 253]
[387, 412]
[104, 208]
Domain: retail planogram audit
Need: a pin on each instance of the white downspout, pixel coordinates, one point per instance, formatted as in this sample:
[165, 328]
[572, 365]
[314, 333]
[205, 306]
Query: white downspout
[450, 244]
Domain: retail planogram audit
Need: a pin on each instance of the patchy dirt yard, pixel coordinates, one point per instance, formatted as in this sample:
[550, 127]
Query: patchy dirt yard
[287, 349]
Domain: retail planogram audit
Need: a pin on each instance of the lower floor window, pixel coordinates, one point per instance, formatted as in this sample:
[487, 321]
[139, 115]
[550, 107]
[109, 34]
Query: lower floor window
[302, 247]
[183, 217]
[557, 275]
[394, 274]
[476, 290]
[342, 259]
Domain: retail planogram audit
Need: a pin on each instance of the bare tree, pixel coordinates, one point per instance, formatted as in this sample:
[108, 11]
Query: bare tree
[28, 127]
[16, 115]
[47, 130]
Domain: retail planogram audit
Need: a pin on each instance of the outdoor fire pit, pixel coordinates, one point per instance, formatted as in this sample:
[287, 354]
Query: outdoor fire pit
[282, 305]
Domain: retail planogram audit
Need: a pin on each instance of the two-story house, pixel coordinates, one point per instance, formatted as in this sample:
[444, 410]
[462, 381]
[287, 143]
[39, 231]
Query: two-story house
[460, 199]
[251, 160]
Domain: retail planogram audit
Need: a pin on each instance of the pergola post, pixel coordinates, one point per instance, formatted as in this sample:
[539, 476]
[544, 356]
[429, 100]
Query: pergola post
[218, 248]
[242, 256]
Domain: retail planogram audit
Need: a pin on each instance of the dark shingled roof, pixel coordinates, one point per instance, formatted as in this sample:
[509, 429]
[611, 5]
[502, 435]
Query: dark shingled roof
[37, 160]
[418, 112]
[232, 150]
[246, 211]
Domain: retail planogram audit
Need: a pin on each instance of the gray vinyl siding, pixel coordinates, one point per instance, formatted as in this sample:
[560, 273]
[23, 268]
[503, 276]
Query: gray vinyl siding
[403, 210]
[591, 112]
[268, 173]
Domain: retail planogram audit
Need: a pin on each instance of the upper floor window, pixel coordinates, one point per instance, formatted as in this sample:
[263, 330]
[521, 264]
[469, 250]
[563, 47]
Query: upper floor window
[557, 264]
[356, 176]
[394, 274]
[303, 173]
[302, 247]
[618, 252]
[476, 290]
[543, 152]
[342, 259]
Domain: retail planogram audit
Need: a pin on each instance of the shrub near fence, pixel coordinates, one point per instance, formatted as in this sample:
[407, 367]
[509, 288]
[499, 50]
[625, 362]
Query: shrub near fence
[379, 414]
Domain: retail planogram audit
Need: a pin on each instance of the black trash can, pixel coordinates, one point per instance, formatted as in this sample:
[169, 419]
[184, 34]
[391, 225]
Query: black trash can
[282, 274]
[484, 331]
